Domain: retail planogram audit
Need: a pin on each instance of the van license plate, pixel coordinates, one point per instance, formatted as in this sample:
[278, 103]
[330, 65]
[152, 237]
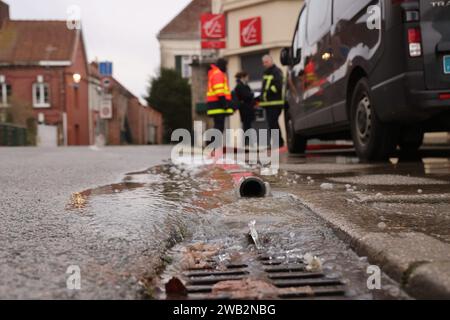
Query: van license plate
[447, 64]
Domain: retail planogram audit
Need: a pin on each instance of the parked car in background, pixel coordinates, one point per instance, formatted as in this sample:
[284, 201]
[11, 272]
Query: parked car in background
[375, 71]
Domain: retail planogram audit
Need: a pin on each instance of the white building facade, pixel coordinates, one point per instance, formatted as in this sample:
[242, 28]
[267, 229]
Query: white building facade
[277, 20]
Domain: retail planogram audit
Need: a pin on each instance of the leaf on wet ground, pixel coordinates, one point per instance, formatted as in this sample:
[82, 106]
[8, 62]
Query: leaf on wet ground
[308, 291]
[246, 289]
[252, 289]
[176, 288]
[77, 201]
[198, 256]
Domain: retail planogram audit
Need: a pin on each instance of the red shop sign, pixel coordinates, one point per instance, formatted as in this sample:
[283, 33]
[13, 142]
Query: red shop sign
[213, 26]
[251, 32]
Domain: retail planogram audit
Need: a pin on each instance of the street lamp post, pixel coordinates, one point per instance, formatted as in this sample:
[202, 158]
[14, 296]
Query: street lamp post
[76, 80]
[76, 85]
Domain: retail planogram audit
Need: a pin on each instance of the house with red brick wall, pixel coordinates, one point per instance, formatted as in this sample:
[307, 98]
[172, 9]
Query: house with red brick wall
[43, 64]
[98, 120]
[145, 123]
[153, 126]
[117, 96]
[125, 120]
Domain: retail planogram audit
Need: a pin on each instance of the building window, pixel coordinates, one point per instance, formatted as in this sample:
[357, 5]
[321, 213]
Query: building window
[252, 64]
[41, 95]
[186, 70]
[183, 66]
[5, 94]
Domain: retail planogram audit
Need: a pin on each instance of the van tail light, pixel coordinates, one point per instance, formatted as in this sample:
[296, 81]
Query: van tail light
[415, 42]
[444, 96]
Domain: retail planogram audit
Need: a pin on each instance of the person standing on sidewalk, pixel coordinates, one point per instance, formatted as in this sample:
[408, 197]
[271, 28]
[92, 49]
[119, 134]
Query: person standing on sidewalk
[244, 100]
[219, 94]
[272, 99]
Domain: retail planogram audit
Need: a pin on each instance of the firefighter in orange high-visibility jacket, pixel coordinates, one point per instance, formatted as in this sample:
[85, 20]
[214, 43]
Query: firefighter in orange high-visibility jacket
[219, 94]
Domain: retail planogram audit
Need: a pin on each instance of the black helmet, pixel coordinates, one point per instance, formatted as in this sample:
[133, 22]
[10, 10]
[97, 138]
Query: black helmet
[222, 64]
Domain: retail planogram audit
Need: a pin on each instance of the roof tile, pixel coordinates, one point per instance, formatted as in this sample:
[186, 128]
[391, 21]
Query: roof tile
[186, 25]
[28, 42]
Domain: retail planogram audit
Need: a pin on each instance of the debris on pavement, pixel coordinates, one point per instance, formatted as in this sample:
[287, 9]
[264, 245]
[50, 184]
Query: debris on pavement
[327, 186]
[197, 256]
[78, 201]
[251, 289]
[175, 288]
[254, 234]
[233, 257]
[246, 289]
[313, 263]
[382, 225]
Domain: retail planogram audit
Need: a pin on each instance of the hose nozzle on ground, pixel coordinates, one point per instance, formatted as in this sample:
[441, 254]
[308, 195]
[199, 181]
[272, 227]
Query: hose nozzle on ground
[252, 187]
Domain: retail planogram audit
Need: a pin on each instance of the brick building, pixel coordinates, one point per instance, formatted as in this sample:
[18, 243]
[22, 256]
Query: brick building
[125, 120]
[98, 125]
[44, 68]
[43, 64]
[145, 123]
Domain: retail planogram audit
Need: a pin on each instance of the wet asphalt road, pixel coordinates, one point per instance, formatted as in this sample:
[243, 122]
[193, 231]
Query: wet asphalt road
[40, 239]
[120, 236]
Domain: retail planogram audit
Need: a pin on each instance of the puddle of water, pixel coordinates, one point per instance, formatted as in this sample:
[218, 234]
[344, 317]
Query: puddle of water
[286, 230]
[427, 162]
[431, 219]
[387, 179]
[179, 202]
[148, 207]
[407, 200]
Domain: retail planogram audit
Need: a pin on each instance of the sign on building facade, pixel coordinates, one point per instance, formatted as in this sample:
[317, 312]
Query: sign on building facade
[251, 32]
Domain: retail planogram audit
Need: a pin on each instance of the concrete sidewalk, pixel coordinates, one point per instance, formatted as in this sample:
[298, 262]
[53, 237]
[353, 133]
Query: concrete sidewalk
[420, 263]
[404, 229]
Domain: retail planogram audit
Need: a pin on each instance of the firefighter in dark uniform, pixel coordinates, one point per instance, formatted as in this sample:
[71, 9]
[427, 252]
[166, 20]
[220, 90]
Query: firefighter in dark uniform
[219, 94]
[272, 98]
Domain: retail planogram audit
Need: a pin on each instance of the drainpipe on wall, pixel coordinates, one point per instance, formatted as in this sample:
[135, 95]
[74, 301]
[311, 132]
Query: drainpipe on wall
[63, 101]
[90, 116]
[64, 116]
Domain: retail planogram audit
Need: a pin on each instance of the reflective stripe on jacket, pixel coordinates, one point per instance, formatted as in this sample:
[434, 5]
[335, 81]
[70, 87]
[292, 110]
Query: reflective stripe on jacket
[217, 85]
[272, 95]
[219, 94]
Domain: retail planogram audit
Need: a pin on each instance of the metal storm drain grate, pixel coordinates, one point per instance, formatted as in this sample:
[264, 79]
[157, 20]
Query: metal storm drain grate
[275, 279]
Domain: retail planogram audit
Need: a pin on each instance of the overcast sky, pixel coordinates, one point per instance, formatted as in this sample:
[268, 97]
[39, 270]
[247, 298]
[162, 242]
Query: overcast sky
[120, 31]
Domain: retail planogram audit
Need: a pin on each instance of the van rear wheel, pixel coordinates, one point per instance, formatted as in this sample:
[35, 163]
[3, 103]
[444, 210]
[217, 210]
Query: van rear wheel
[373, 140]
[296, 143]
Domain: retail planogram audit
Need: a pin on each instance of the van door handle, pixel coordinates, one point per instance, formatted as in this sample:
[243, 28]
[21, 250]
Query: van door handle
[443, 47]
